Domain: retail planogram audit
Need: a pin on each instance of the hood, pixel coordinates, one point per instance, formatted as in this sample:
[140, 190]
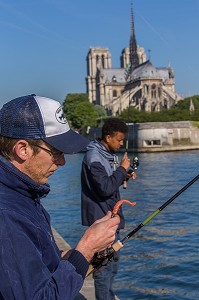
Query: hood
[97, 152]
[97, 146]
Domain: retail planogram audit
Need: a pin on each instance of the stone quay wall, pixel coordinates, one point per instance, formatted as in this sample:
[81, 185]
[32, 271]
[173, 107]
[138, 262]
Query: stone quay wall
[158, 136]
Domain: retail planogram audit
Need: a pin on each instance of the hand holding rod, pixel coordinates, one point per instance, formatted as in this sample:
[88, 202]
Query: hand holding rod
[101, 258]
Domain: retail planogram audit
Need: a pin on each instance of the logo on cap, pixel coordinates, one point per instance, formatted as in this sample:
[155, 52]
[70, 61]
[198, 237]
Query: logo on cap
[60, 116]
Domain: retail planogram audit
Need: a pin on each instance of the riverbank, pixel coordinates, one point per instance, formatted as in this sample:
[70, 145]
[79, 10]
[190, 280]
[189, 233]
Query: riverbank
[87, 291]
[158, 136]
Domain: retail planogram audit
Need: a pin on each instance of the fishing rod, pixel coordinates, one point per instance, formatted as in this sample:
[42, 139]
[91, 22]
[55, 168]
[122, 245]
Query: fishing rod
[102, 258]
[126, 76]
[135, 161]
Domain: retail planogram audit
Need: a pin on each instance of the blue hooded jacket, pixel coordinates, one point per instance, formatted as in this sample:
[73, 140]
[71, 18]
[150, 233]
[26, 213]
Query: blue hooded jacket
[101, 178]
[30, 262]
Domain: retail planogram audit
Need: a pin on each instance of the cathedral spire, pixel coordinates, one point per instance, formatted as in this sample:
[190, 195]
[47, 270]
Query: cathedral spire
[134, 59]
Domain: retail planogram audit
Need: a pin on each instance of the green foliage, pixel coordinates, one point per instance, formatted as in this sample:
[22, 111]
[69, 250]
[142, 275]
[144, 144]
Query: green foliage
[179, 112]
[196, 124]
[79, 112]
[184, 104]
[101, 111]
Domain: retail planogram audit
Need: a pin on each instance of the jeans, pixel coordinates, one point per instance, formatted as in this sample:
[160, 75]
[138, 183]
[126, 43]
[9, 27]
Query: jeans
[103, 278]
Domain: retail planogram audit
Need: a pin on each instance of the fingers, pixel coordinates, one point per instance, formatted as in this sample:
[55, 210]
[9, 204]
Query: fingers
[134, 175]
[125, 155]
[106, 217]
[98, 236]
[125, 162]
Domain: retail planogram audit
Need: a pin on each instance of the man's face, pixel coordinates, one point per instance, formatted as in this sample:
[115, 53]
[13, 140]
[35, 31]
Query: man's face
[43, 164]
[115, 142]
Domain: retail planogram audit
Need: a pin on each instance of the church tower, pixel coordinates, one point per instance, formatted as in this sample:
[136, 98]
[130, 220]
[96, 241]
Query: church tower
[97, 58]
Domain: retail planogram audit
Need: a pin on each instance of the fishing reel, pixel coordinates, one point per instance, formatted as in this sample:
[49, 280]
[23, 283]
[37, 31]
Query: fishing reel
[134, 165]
[102, 258]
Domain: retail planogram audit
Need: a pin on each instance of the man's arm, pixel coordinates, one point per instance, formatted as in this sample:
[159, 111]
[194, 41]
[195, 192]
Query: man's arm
[30, 263]
[105, 184]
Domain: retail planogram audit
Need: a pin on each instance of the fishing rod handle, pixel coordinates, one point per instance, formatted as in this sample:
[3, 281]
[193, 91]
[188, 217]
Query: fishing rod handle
[124, 184]
[102, 261]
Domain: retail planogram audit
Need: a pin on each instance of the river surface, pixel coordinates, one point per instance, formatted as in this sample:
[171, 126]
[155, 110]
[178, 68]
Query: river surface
[161, 261]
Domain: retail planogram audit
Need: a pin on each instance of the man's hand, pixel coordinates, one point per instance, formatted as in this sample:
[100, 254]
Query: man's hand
[125, 161]
[99, 236]
[131, 175]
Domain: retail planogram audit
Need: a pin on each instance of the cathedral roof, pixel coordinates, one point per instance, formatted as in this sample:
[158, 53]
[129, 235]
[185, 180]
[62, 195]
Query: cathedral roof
[114, 75]
[147, 70]
[144, 70]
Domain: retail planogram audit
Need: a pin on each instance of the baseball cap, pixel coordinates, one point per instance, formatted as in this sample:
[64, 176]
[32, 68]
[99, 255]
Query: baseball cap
[36, 117]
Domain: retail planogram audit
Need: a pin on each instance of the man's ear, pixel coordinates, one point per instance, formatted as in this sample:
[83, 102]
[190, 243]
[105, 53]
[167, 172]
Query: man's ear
[21, 149]
[107, 138]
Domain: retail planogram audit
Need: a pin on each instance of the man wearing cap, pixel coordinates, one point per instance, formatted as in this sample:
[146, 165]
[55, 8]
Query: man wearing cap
[34, 135]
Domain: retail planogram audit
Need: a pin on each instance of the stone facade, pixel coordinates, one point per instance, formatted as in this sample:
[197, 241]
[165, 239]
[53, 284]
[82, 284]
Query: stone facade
[137, 82]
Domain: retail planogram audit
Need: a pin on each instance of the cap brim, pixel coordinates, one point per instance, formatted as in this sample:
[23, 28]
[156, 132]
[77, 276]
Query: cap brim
[69, 142]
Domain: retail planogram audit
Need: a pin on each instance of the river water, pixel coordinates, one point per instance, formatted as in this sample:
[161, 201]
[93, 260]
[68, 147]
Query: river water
[161, 261]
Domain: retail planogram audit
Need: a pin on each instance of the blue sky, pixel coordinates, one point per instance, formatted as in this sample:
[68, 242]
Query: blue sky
[44, 43]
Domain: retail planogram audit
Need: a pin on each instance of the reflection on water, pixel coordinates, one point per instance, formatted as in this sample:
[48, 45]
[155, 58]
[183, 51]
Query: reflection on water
[162, 260]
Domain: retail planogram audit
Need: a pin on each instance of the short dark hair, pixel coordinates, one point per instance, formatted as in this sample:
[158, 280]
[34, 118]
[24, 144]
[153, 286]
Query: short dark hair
[113, 125]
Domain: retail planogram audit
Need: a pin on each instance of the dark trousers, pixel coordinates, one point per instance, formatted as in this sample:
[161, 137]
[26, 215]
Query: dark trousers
[103, 278]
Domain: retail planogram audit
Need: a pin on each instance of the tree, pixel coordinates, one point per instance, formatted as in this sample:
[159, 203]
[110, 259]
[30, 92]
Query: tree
[79, 112]
[178, 112]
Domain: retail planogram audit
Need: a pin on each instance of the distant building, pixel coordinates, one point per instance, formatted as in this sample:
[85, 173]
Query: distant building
[137, 82]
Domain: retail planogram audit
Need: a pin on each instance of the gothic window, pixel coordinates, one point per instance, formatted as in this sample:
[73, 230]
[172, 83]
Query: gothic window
[103, 61]
[153, 94]
[153, 106]
[114, 93]
[146, 89]
[159, 92]
[153, 91]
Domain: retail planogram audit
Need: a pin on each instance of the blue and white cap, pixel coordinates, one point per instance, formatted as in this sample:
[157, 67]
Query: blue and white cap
[35, 117]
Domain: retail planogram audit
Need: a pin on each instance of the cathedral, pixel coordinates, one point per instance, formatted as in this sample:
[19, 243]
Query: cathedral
[137, 82]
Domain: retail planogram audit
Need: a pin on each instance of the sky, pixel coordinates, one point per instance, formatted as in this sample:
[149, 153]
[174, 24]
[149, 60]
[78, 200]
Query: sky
[44, 43]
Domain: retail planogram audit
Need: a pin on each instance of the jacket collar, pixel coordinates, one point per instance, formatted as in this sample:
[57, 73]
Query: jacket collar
[20, 182]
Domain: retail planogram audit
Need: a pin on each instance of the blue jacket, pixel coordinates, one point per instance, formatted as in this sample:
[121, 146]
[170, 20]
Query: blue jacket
[30, 263]
[101, 178]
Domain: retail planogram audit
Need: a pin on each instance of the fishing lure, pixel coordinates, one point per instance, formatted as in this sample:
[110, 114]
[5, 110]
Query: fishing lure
[118, 204]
